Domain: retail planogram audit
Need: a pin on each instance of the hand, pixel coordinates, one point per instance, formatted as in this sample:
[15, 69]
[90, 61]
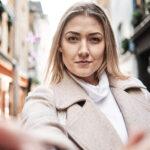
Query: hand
[12, 138]
[139, 141]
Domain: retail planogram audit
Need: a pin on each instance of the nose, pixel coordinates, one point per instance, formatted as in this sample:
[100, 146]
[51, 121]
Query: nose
[83, 49]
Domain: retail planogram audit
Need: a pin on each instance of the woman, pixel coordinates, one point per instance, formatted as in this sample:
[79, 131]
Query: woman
[88, 101]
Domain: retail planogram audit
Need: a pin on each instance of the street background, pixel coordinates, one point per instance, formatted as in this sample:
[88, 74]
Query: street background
[26, 32]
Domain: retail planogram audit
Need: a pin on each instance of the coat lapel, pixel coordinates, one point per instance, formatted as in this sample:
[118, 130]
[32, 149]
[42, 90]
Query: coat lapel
[92, 130]
[135, 111]
[85, 125]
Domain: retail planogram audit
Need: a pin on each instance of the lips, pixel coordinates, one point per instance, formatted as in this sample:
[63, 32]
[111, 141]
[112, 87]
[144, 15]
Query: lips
[83, 61]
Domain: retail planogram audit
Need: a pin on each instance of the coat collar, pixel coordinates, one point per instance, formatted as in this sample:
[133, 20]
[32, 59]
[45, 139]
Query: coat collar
[129, 83]
[86, 125]
[68, 92]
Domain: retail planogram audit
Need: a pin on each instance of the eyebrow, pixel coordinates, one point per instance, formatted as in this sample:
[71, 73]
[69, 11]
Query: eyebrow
[96, 33]
[72, 32]
[91, 34]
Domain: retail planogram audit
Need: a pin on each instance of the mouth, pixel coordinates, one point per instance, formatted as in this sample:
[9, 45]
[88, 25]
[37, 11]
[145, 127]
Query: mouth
[83, 62]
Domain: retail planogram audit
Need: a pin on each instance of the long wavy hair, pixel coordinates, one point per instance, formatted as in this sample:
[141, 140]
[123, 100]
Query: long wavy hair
[55, 68]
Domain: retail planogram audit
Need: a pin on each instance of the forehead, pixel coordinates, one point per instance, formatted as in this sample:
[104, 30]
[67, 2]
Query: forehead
[83, 23]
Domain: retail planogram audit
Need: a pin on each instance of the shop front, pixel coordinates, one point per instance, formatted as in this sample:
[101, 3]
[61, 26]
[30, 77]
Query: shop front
[141, 39]
[9, 103]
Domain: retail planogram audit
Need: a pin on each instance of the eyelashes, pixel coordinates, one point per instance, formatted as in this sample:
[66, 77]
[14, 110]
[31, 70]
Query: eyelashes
[76, 39]
[95, 40]
[73, 39]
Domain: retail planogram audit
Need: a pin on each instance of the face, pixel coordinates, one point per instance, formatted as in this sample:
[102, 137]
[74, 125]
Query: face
[82, 47]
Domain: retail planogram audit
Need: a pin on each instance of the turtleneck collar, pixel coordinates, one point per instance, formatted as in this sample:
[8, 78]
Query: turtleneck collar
[97, 92]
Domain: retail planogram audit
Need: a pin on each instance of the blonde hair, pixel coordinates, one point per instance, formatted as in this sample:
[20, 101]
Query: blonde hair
[55, 66]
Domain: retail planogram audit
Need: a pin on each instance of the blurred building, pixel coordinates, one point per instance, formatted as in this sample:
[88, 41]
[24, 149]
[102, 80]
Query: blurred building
[121, 12]
[38, 43]
[13, 77]
[6, 55]
[141, 39]
[21, 28]
[19, 44]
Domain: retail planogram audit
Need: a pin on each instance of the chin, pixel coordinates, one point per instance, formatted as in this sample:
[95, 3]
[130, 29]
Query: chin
[83, 75]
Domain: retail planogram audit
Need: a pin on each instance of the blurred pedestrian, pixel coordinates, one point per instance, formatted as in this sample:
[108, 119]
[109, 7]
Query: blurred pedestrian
[87, 100]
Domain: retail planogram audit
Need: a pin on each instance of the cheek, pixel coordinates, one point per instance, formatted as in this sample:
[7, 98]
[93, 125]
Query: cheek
[67, 55]
[99, 54]
[69, 52]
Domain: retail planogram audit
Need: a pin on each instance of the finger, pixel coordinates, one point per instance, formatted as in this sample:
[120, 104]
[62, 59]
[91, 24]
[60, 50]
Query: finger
[136, 138]
[8, 141]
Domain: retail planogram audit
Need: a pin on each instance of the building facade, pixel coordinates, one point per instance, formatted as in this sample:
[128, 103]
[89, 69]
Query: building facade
[13, 49]
[141, 38]
[39, 43]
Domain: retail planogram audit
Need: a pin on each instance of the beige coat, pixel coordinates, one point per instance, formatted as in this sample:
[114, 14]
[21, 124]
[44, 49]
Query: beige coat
[84, 125]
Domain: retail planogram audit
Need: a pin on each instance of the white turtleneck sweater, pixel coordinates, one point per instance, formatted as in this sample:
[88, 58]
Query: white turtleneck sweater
[106, 103]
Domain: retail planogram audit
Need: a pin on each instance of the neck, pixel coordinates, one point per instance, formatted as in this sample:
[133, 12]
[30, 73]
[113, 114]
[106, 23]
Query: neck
[91, 80]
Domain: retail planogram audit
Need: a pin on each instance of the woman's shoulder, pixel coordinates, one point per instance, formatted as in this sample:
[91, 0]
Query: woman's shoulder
[41, 92]
[132, 86]
[127, 83]
[138, 89]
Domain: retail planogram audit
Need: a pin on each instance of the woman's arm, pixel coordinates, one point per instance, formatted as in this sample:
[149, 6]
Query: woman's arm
[12, 137]
[40, 116]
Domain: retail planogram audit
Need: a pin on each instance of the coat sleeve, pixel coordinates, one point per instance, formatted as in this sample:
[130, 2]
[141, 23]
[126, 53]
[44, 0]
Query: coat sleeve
[39, 115]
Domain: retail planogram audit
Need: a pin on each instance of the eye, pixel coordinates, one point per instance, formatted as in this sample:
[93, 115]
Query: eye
[72, 39]
[95, 40]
